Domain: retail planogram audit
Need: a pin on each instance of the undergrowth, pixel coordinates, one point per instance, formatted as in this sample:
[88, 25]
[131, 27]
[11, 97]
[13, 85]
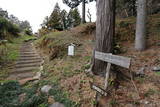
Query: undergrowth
[10, 92]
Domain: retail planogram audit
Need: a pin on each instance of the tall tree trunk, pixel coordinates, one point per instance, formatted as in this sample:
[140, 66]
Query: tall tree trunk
[140, 41]
[133, 7]
[105, 30]
[83, 11]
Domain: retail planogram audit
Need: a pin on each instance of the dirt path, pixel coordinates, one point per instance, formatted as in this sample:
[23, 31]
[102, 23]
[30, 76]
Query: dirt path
[29, 62]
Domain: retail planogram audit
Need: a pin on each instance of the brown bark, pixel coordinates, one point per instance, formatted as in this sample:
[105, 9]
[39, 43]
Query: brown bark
[105, 30]
[83, 11]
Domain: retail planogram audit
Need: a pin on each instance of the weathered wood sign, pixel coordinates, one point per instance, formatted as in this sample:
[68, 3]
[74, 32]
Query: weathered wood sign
[113, 59]
[98, 89]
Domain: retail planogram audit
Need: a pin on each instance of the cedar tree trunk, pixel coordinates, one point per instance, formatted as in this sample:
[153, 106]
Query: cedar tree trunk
[105, 30]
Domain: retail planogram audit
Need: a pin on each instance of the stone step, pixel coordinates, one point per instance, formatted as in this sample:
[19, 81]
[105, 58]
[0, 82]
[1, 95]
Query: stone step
[29, 55]
[26, 46]
[21, 76]
[27, 50]
[29, 61]
[29, 44]
[24, 70]
[29, 58]
[57, 104]
[22, 52]
[28, 65]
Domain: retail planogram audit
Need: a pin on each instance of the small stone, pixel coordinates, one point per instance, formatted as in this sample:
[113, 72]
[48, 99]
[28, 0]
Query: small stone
[146, 102]
[156, 69]
[57, 105]
[51, 100]
[46, 89]
[38, 75]
[22, 97]
[41, 68]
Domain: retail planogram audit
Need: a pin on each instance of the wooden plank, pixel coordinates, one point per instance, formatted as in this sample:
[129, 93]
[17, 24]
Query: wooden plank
[113, 59]
[107, 76]
[98, 89]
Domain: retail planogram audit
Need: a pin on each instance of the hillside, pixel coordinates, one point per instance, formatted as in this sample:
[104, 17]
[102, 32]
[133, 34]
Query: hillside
[69, 78]
[69, 72]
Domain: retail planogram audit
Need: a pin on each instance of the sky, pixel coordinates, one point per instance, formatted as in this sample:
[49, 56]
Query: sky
[36, 10]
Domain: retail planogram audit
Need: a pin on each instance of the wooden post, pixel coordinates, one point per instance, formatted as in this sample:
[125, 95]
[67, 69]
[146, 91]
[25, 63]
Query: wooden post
[107, 76]
[105, 82]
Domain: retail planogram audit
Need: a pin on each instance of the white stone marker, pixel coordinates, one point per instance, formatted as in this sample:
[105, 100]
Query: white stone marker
[71, 50]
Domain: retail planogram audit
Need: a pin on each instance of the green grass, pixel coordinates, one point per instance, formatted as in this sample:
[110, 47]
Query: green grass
[11, 50]
[158, 73]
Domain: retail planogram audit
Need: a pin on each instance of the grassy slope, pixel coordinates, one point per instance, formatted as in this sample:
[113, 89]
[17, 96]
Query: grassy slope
[65, 67]
[69, 73]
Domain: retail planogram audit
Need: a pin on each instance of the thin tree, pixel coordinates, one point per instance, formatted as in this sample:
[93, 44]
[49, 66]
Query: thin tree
[75, 3]
[140, 41]
[105, 30]
[89, 15]
[83, 11]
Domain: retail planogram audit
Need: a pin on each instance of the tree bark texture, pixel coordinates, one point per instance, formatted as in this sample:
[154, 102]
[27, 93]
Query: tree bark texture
[83, 11]
[105, 30]
[140, 41]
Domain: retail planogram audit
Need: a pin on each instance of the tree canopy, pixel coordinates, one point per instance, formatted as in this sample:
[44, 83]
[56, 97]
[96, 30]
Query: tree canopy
[10, 25]
[54, 21]
[7, 28]
[60, 19]
[74, 18]
[75, 3]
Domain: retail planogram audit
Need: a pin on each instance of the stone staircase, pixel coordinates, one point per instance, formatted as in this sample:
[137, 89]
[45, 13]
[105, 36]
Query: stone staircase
[28, 64]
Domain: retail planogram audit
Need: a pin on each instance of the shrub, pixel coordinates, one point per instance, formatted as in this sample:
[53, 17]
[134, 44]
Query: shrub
[7, 28]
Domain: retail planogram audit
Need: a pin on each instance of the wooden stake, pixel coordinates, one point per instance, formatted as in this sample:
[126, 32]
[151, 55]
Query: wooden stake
[107, 75]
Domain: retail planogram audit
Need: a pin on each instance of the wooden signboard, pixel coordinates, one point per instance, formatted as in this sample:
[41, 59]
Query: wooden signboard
[98, 89]
[113, 59]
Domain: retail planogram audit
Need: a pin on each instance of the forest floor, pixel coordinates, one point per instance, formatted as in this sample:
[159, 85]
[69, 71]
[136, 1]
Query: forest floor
[71, 83]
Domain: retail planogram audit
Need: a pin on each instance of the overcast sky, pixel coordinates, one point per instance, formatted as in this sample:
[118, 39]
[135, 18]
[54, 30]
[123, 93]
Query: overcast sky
[36, 10]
